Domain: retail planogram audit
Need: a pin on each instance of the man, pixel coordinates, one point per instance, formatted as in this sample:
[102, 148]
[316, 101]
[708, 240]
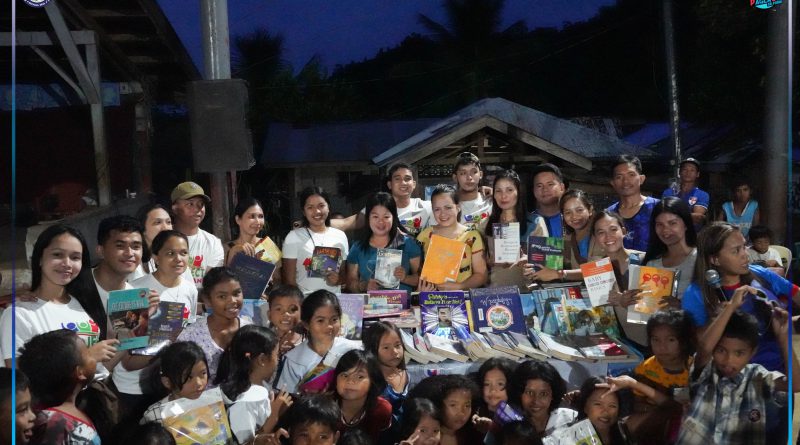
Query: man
[635, 209]
[548, 187]
[189, 203]
[475, 207]
[690, 192]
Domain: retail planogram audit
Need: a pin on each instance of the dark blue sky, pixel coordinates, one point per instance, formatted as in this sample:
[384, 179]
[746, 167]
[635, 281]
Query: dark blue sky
[341, 31]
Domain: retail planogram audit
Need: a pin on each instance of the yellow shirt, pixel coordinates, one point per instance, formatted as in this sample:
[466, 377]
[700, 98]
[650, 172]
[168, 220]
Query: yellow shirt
[652, 370]
[474, 242]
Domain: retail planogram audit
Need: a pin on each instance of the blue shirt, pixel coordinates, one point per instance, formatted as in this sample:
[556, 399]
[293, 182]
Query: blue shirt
[553, 223]
[367, 257]
[695, 197]
[768, 353]
[638, 226]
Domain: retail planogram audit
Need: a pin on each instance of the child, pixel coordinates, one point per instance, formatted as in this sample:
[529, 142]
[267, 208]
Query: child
[602, 403]
[453, 395]
[183, 373]
[493, 378]
[760, 253]
[249, 361]
[518, 433]
[59, 365]
[312, 420]
[284, 316]
[723, 377]
[359, 384]
[421, 423]
[355, 437]
[309, 367]
[150, 433]
[382, 339]
[537, 389]
[21, 415]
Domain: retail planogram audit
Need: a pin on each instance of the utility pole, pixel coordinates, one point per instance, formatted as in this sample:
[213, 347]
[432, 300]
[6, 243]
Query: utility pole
[672, 84]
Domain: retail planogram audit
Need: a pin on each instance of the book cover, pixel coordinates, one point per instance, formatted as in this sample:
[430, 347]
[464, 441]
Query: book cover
[540, 299]
[387, 261]
[410, 350]
[128, 313]
[546, 251]
[600, 347]
[506, 242]
[578, 317]
[447, 348]
[442, 260]
[352, 315]
[267, 250]
[163, 327]
[599, 278]
[257, 310]
[202, 420]
[324, 260]
[385, 303]
[655, 283]
[580, 433]
[497, 309]
[408, 318]
[556, 347]
[441, 312]
[253, 274]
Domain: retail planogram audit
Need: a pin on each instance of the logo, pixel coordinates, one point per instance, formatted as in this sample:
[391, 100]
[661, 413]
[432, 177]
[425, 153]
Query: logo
[693, 200]
[760, 4]
[42, 3]
[499, 317]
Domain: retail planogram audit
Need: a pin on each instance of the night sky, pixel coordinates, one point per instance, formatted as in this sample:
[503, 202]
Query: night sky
[342, 31]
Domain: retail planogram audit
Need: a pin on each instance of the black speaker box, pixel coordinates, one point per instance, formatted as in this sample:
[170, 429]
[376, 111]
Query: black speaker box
[221, 140]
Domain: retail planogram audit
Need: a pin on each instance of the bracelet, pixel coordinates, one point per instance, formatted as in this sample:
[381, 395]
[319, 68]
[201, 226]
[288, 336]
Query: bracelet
[562, 274]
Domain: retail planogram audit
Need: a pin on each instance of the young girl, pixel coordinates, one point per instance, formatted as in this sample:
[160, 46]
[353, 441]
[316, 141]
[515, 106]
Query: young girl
[359, 384]
[383, 232]
[249, 218]
[537, 390]
[382, 339]
[222, 293]
[284, 318]
[59, 365]
[603, 404]
[446, 210]
[509, 207]
[494, 377]
[183, 372]
[309, 367]
[249, 361]
[298, 248]
[65, 296]
[453, 395]
[421, 423]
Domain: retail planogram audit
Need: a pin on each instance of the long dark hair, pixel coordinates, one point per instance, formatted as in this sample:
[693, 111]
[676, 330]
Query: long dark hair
[372, 338]
[385, 200]
[359, 359]
[233, 374]
[580, 195]
[413, 411]
[82, 288]
[519, 209]
[176, 362]
[655, 247]
[314, 191]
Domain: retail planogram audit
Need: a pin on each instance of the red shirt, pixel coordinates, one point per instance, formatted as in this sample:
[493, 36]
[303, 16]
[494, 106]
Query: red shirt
[376, 420]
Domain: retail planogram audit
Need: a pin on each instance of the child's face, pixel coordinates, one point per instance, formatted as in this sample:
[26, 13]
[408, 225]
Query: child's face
[761, 245]
[23, 416]
[494, 388]
[428, 431]
[731, 355]
[457, 409]
[325, 324]
[468, 177]
[313, 434]
[89, 364]
[390, 350]
[284, 313]
[576, 214]
[665, 344]
[226, 299]
[196, 384]
[602, 411]
[353, 384]
[536, 399]
[445, 210]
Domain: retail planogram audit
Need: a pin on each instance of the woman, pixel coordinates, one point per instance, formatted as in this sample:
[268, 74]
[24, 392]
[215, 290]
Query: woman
[675, 245]
[155, 218]
[249, 218]
[298, 248]
[383, 232]
[536, 391]
[65, 297]
[721, 248]
[508, 207]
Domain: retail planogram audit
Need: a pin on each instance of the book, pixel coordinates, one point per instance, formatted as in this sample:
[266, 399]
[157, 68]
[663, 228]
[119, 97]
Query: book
[506, 242]
[410, 350]
[546, 251]
[577, 316]
[655, 283]
[440, 312]
[541, 299]
[424, 347]
[253, 274]
[408, 318]
[324, 260]
[384, 303]
[599, 278]
[473, 348]
[600, 347]
[267, 250]
[496, 309]
[499, 342]
[551, 346]
[163, 327]
[523, 344]
[579, 433]
[128, 313]
[202, 420]
[447, 348]
[387, 261]
[442, 260]
[352, 315]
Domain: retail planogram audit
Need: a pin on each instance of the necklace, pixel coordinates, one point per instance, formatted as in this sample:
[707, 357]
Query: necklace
[355, 420]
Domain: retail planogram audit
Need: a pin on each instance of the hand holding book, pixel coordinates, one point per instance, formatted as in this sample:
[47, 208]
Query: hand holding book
[624, 298]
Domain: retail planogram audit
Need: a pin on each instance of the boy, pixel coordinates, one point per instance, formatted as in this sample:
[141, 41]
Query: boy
[475, 208]
[760, 253]
[734, 401]
[309, 421]
[21, 414]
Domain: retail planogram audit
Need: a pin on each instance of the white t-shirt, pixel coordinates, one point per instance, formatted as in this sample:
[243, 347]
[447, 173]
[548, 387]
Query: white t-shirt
[205, 252]
[248, 412]
[129, 382]
[299, 245]
[475, 213]
[40, 316]
[686, 267]
[416, 217]
[302, 359]
[770, 254]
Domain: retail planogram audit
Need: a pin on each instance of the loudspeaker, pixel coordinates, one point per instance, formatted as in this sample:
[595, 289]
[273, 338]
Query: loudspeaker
[221, 140]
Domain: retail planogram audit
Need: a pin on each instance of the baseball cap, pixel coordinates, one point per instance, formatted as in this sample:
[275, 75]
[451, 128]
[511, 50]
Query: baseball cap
[693, 161]
[186, 190]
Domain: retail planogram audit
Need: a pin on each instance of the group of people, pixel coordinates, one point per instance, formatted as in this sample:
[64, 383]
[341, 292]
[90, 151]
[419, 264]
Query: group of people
[718, 350]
